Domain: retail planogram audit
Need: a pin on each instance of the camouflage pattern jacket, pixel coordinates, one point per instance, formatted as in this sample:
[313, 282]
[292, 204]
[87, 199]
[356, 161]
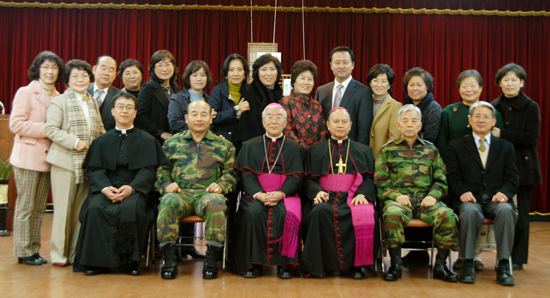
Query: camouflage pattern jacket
[194, 166]
[416, 171]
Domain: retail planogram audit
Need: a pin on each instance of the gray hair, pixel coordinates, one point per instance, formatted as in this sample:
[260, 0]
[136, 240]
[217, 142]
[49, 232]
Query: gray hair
[270, 107]
[482, 104]
[407, 108]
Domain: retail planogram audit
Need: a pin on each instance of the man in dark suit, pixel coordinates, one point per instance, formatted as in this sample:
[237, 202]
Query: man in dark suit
[104, 73]
[348, 93]
[483, 178]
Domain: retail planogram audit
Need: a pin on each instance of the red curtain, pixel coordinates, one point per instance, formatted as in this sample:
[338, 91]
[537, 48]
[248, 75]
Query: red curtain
[443, 44]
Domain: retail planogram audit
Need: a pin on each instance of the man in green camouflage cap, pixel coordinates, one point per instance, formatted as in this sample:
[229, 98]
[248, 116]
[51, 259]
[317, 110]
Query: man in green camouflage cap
[195, 180]
[411, 180]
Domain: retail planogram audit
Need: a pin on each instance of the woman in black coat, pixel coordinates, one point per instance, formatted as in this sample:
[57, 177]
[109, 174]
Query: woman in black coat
[521, 117]
[227, 98]
[265, 89]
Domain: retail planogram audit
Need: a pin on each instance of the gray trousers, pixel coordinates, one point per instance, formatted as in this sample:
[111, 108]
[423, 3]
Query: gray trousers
[472, 215]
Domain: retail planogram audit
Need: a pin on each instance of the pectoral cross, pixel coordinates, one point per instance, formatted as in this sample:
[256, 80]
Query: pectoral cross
[341, 166]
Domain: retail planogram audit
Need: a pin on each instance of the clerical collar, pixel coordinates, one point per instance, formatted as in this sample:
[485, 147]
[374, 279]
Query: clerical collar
[339, 141]
[123, 131]
[274, 139]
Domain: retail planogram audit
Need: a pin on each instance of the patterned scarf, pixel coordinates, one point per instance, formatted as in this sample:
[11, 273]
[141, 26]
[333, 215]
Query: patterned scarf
[79, 127]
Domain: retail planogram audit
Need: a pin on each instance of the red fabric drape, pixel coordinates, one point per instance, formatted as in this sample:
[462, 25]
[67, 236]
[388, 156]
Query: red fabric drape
[444, 45]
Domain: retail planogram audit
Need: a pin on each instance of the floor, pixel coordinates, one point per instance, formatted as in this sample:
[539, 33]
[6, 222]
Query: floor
[49, 281]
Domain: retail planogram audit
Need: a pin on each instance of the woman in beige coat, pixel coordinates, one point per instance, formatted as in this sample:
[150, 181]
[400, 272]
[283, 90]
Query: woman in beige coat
[384, 123]
[73, 122]
[28, 156]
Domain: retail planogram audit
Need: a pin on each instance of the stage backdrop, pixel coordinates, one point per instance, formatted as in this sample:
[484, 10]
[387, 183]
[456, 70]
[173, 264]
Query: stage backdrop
[443, 38]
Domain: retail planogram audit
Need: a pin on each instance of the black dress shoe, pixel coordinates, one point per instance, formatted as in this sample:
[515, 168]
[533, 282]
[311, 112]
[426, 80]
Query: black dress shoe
[356, 273]
[37, 256]
[516, 267]
[284, 272]
[254, 272]
[468, 275]
[29, 261]
[93, 271]
[504, 278]
[133, 269]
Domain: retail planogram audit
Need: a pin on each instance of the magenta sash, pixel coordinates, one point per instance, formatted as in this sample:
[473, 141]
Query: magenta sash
[273, 182]
[362, 216]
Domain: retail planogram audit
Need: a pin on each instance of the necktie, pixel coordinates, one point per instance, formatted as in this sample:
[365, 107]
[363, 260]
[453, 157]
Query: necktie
[482, 148]
[338, 97]
[97, 96]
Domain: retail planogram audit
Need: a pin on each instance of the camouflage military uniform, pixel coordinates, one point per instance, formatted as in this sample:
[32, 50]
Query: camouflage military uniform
[416, 172]
[194, 166]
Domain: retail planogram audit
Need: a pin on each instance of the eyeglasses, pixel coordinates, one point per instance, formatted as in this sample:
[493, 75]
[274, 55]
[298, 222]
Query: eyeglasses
[278, 118]
[128, 108]
[82, 76]
[161, 66]
[484, 117]
[46, 68]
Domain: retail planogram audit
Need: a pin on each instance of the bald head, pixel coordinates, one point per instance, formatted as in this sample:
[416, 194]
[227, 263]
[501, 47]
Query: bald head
[199, 103]
[339, 124]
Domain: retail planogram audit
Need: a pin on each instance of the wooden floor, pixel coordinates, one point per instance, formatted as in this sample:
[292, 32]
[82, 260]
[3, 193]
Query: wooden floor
[49, 281]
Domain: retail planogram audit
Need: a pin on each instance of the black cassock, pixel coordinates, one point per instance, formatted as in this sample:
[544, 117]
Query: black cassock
[330, 246]
[113, 234]
[258, 228]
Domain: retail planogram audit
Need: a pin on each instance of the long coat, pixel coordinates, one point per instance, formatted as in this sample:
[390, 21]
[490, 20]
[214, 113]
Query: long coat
[384, 121]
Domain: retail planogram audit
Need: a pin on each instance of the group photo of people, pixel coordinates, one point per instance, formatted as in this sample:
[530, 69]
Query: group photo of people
[196, 169]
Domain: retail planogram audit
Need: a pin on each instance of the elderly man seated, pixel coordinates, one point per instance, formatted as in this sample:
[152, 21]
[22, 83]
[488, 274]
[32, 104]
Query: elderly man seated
[195, 180]
[411, 181]
[482, 173]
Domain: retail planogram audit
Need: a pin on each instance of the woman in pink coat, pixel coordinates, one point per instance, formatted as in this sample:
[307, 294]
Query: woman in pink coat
[28, 157]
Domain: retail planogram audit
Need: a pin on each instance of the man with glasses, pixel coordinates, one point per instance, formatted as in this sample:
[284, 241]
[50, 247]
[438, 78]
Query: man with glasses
[117, 215]
[104, 74]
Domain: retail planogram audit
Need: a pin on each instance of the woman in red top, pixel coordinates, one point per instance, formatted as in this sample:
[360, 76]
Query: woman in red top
[305, 123]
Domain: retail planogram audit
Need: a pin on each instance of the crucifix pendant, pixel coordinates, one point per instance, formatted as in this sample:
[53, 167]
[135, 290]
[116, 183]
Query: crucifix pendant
[341, 166]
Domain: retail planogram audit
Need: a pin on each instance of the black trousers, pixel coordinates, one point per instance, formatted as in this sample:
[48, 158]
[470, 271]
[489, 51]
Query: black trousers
[520, 251]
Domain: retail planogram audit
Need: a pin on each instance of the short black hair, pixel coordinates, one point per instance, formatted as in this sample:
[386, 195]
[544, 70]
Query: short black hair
[156, 58]
[127, 63]
[379, 69]
[302, 66]
[34, 70]
[193, 67]
[417, 71]
[225, 67]
[518, 70]
[126, 95]
[342, 49]
[77, 64]
[469, 73]
[263, 60]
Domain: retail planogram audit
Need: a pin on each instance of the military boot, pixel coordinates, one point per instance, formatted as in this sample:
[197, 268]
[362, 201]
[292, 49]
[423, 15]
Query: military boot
[210, 269]
[396, 266]
[440, 269]
[169, 268]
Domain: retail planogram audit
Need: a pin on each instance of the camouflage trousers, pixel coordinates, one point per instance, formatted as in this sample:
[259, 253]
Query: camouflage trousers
[175, 206]
[439, 216]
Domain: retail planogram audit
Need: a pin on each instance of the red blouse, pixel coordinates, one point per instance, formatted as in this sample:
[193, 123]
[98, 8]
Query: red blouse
[305, 122]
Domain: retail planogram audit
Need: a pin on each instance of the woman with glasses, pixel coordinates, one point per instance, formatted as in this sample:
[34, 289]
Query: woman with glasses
[154, 97]
[73, 122]
[28, 157]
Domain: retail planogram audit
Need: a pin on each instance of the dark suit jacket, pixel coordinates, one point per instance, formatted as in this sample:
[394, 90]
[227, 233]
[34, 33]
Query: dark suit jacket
[465, 171]
[358, 101]
[105, 107]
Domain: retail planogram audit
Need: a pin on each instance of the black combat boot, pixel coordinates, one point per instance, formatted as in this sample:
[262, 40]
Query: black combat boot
[169, 268]
[396, 267]
[210, 269]
[440, 269]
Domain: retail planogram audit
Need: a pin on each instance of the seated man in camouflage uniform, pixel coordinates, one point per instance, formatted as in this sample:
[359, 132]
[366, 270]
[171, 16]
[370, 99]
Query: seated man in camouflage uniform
[411, 180]
[200, 171]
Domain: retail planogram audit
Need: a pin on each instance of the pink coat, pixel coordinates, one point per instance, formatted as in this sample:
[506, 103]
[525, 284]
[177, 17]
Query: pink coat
[28, 123]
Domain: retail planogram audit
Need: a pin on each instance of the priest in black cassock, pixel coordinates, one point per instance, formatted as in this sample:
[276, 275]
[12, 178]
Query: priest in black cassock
[118, 213]
[267, 225]
[339, 219]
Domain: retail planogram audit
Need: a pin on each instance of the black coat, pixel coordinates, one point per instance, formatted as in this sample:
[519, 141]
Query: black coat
[177, 108]
[521, 117]
[153, 109]
[465, 172]
[106, 105]
[226, 119]
[358, 101]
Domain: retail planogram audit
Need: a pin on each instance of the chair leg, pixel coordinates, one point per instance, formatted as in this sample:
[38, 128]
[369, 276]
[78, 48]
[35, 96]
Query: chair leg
[148, 252]
[432, 264]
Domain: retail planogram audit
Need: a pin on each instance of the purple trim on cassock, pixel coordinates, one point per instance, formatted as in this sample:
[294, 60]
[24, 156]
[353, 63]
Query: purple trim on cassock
[362, 215]
[273, 182]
